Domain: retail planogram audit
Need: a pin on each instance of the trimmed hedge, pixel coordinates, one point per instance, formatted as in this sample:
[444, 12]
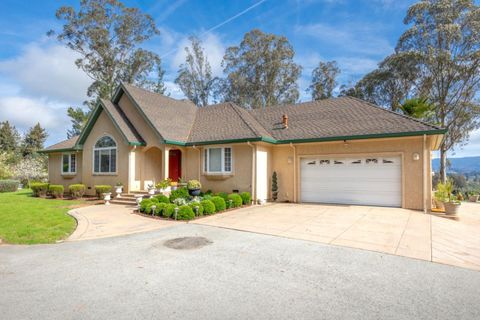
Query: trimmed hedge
[219, 203]
[160, 207]
[56, 190]
[144, 204]
[39, 189]
[224, 195]
[100, 189]
[246, 198]
[169, 210]
[185, 213]
[76, 190]
[208, 207]
[236, 200]
[162, 198]
[9, 185]
[179, 193]
[197, 204]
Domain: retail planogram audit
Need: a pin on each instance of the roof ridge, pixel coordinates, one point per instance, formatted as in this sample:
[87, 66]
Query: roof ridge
[125, 84]
[234, 107]
[393, 112]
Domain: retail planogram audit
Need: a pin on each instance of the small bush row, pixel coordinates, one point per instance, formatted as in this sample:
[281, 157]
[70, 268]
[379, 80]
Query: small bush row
[9, 185]
[164, 206]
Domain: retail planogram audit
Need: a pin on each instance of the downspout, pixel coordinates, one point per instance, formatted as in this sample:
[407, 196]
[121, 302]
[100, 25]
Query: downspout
[199, 161]
[424, 173]
[254, 172]
[294, 172]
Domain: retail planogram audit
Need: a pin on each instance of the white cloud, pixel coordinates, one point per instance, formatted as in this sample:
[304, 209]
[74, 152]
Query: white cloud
[47, 70]
[214, 51]
[471, 149]
[353, 38]
[174, 90]
[25, 112]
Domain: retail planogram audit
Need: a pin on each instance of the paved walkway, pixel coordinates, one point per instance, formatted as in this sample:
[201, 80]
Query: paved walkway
[391, 230]
[102, 221]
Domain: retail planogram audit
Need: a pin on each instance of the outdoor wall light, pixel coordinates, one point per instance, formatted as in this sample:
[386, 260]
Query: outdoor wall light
[416, 156]
[289, 160]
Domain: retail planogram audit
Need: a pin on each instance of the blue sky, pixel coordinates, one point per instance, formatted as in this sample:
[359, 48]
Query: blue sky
[38, 78]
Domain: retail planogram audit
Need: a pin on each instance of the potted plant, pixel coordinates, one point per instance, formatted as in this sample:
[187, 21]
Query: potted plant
[194, 187]
[163, 185]
[107, 197]
[174, 185]
[451, 202]
[151, 190]
[472, 196]
[119, 189]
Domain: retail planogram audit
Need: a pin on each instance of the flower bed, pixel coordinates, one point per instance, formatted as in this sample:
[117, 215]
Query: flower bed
[181, 206]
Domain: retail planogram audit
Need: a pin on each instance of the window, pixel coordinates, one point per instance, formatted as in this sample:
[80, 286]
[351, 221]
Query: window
[69, 163]
[371, 161]
[105, 156]
[218, 160]
[324, 162]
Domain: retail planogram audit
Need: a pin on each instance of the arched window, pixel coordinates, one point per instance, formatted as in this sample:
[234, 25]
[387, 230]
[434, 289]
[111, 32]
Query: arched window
[105, 155]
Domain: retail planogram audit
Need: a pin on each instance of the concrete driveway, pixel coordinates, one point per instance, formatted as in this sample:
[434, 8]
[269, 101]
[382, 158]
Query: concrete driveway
[391, 230]
[239, 275]
[100, 221]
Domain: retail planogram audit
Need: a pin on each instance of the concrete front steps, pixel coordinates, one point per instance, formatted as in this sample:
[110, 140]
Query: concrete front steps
[129, 199]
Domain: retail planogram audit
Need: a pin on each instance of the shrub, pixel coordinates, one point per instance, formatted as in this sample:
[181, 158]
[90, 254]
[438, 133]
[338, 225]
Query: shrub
[236, 200]
[100, 189]
[56, 190]
[180, 201]
[144, 204]
[9, 185]
[160, 207]
[39, 189]
[208, 207]
[193, 185]
[169, 210]
[179, 193]
[246, 198]
[219, 203]
[207, 197]
[162, 198]
[223, 195]
[197, 204]
[76, 190]
[185, 213]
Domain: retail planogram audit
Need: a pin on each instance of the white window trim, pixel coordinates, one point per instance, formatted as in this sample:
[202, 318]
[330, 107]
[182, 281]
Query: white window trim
[69, 154]
[105, 148]
[206, 162]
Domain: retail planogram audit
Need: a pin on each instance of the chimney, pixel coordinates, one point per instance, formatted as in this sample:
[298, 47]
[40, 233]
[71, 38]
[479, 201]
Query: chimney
[285, 121]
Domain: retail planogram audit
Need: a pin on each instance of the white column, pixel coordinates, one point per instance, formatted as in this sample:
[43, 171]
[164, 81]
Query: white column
[165, 159]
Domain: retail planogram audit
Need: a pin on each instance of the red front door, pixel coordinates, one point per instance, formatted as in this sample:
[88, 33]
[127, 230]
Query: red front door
[175, 164]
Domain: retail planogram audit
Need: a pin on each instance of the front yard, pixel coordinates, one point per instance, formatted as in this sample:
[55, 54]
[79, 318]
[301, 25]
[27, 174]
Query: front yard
[28, 220]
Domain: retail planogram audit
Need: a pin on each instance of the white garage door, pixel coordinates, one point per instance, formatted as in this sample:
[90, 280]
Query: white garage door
[363, 180]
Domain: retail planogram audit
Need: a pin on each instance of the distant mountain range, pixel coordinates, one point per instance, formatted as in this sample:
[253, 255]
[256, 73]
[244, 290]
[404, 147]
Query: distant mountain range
[460, 165]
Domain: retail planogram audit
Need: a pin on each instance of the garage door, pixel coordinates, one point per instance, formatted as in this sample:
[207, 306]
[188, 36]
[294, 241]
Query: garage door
[362, 180]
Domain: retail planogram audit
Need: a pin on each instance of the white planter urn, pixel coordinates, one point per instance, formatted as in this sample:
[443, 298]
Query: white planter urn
[118, 191]
[107, 197]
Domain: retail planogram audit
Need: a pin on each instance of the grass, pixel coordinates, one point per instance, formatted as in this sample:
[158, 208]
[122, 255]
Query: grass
[28, 220]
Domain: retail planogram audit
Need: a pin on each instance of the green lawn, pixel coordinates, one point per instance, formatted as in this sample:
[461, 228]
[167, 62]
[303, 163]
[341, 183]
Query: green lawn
[28, 220]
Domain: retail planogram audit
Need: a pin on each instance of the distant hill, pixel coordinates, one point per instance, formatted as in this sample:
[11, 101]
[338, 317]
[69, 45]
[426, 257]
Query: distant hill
[460, 165]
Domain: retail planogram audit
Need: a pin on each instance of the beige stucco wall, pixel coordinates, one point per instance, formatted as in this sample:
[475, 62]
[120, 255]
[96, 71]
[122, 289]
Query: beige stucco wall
[104, 126]
[240, 179]
[283, 161]
[55, 175]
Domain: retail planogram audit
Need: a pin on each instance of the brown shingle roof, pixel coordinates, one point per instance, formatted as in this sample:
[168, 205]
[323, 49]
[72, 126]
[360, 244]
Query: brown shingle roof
[124, 125]
[224, 121]
[172, 118]
[180, 121]
[68, 144]
[336, 117]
